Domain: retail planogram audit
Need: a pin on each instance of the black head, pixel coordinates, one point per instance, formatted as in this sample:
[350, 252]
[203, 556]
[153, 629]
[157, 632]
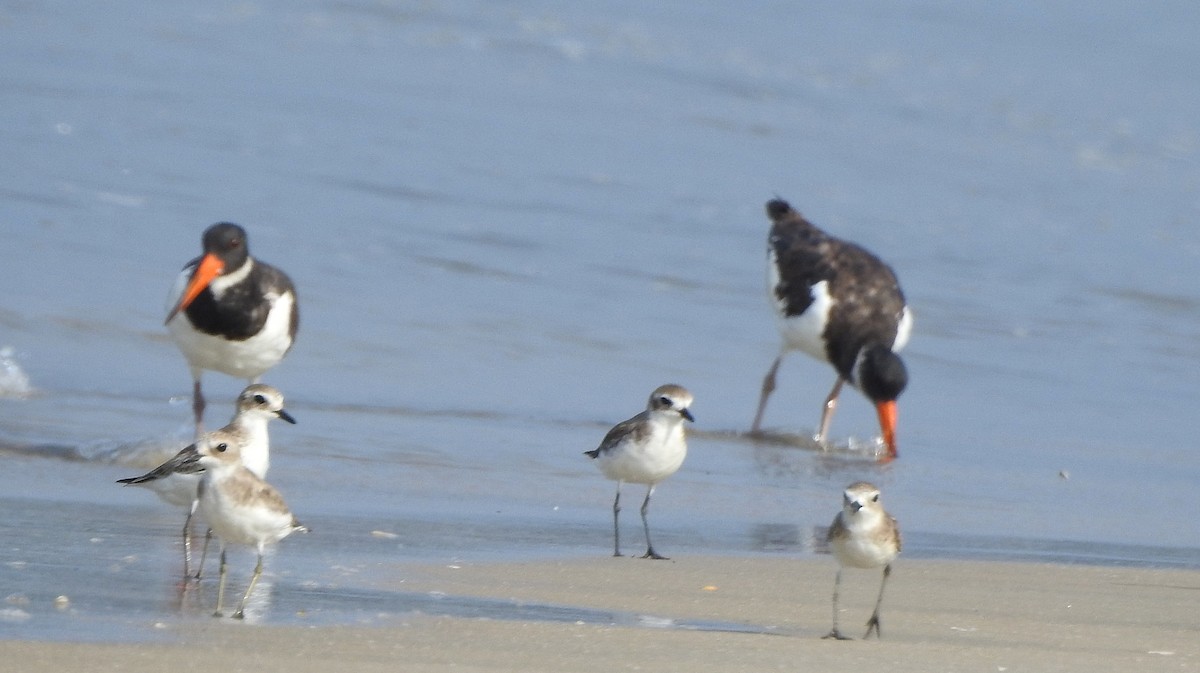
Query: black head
[227, 242]
[778, 209]
[881, 374]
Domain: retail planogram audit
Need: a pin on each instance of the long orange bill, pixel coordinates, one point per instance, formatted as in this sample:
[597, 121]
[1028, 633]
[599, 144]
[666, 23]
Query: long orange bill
[209, 268]
[887, 425]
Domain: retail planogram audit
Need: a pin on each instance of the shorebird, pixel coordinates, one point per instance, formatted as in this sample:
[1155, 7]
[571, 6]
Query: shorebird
[645, 450]
[176, 480]
[863, 535]
[240, 507]
[841, 304]
[231, 313]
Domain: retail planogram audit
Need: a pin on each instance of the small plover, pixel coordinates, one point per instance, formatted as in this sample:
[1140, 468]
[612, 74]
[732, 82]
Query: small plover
[240, 507]
[175, 481]
[231, 313]
[645, 450]
[838, 303]
[863, 535]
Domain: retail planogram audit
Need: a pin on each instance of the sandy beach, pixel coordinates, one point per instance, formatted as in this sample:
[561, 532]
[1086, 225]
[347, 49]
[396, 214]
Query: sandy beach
[938, 615]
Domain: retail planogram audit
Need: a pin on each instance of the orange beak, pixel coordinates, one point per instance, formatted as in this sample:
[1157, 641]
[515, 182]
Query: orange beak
[209, 268]
[887, 425]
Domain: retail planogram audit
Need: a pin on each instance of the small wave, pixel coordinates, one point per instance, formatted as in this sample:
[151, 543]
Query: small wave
[14, 382]
[142, 454]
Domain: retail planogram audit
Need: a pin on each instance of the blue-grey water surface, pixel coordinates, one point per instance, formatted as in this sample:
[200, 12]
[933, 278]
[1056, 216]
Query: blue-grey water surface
[509, 221]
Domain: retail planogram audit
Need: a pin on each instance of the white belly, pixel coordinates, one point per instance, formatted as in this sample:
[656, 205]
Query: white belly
[856, 553]
[247, 359]
[647, 463]
[240, 524]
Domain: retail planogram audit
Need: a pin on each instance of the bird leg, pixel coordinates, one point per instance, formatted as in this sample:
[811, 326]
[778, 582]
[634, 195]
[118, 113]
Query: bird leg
[187, 543]
[221, 586]
[768, 386]
[198, 405]
[834, 633]
[203, 553]
[617, 528]
[650, 553]
[873, 622]
[827, 411]
[241, 611]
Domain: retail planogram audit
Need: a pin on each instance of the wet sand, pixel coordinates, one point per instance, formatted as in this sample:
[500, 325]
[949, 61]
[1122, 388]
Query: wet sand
[938, 615]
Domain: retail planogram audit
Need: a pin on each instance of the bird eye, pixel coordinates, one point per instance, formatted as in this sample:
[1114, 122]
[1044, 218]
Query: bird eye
[222, 447]
[665, 401]
[260, 399]
[875, 498]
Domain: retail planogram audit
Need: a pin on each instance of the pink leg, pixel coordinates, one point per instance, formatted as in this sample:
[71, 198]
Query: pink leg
[827, 412]
[198, 407]
[768, 386]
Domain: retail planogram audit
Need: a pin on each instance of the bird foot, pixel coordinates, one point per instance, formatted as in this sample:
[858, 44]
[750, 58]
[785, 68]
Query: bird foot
[835, 635]
[651, 554]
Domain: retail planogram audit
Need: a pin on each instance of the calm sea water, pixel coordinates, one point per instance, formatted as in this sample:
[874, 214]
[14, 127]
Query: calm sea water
[508, 222]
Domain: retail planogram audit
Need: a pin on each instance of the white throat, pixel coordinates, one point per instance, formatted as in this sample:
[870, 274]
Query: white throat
[222, 283]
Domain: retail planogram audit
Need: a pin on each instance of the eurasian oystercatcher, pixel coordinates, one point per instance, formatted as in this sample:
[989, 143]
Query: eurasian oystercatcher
[175, 481]
[645, 450]
[230, 312]
[839, 303]
[863, 535]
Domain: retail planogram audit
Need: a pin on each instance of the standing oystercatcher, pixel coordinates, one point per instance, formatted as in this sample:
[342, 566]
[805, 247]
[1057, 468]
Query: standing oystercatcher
[231, 313]
[841, 304]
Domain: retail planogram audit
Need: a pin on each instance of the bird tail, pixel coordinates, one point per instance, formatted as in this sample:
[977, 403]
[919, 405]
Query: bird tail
[594, 453]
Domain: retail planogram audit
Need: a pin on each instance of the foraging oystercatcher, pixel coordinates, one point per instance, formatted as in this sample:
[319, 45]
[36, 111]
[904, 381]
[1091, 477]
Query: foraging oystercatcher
[645, 450]
[839, 303]
[230, 312]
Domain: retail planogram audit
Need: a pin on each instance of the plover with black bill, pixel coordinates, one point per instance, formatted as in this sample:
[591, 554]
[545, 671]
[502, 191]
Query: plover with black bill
[838, 303]
[175, 481]
[863, 535]
[240, 507]
[230, 312]
[645, 450]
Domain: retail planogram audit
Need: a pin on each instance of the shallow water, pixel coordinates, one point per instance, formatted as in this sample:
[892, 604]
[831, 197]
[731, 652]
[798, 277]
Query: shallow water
[509, 223]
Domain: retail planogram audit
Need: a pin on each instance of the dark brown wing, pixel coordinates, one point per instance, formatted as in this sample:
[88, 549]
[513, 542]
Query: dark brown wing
[187, 461]
[869, 307]
[634, 429]
[802, 253]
